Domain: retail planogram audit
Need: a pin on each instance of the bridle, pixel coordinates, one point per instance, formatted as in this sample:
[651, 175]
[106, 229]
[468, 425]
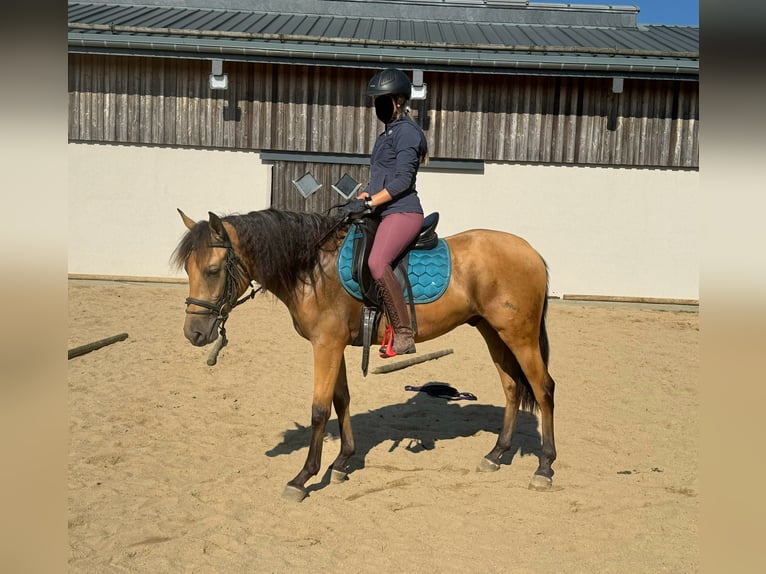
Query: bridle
[235, 272]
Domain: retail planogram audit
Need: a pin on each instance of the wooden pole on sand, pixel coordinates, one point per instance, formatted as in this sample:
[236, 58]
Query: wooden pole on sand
[411, 361]
[83, 349]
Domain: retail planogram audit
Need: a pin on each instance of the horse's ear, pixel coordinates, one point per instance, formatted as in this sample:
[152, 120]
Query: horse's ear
[188, 222]
[216, 227]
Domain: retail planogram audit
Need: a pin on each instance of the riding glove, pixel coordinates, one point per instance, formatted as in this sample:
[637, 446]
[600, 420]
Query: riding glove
[355, 206]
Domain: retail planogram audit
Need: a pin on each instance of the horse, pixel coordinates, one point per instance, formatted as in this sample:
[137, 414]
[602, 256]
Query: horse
[498, 284]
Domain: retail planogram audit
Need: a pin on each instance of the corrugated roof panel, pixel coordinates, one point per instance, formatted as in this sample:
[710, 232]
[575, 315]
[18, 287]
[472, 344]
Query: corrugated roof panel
[434, 33]
[419, 29]
[632, 39]
[171, 19]
[305, 26]
[121, 17]
[475, 33]
[144, 17]
[392, 32]
[536, 34]
[650, 41]
[572, 37]
[321, 25]
[89, 13]
[217, 21]
[193, 20]
[377, 30]
[350, 27]
[282, 24]
[363, 28]
[242, 22]
[595, 38]
[404, 31]
[688, 33]
[462, 34]
[448, 31]
[491, 33]
[556, 35]
[671, 38]
[335, 27]
[326, 23]
[262, 25]
[160, 19]
[515, 36]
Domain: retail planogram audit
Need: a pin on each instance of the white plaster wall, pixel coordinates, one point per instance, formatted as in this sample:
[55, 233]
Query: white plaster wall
[123, 200]
[603, 231]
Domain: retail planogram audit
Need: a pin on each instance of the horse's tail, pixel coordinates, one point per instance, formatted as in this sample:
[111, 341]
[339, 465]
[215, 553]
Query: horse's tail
[528, 402]
[545, 349]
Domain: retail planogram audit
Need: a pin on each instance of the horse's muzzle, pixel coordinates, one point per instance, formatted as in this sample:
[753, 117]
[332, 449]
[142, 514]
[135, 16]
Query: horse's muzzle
[201, 332]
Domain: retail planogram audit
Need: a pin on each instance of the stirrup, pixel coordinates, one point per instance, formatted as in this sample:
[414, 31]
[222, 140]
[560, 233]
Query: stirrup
[386, 350]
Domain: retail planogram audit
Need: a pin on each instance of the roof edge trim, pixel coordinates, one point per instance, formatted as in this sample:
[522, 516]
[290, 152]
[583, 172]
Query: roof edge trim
[114, 30]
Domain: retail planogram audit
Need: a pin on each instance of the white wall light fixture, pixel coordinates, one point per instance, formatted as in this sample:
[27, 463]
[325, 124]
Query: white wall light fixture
[419, 88]
[218, 80]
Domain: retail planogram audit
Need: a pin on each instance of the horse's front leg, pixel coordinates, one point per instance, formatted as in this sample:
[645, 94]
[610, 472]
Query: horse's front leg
[341, 402]
[328, 359]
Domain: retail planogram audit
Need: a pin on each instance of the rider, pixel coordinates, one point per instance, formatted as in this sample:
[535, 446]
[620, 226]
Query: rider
[394, 163]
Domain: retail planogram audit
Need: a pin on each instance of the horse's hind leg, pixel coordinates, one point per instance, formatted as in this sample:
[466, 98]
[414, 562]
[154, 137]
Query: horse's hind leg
[341, 401]
[527, 358]
[531, 361]
[509, 372]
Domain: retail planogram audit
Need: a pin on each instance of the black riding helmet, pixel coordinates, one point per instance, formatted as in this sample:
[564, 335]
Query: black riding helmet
[388, 82]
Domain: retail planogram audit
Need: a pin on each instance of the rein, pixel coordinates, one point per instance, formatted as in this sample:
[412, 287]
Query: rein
[336, 225]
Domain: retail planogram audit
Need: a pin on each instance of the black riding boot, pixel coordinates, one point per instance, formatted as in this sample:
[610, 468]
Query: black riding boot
[396, 309]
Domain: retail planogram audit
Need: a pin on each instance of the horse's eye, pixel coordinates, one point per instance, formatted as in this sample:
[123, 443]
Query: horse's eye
[213, 271]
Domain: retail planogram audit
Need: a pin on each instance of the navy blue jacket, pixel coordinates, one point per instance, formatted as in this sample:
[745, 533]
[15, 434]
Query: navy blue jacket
[394, 165]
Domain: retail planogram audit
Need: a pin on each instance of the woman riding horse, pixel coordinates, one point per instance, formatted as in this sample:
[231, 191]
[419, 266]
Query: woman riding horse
[391, 193]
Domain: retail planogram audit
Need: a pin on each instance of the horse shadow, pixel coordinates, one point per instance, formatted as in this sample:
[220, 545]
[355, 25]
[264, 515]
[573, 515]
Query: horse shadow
[416, 425]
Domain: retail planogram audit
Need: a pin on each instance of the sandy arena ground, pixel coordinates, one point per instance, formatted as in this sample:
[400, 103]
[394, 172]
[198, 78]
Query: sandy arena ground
[177, 466]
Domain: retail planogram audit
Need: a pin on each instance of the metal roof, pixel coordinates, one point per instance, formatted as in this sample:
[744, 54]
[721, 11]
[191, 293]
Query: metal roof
[459, 35]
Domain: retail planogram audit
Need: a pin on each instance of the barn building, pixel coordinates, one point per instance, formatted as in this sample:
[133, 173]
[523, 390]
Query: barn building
[573, 126]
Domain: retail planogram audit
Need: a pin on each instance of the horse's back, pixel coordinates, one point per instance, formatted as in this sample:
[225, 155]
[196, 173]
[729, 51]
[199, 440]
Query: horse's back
[487, 247]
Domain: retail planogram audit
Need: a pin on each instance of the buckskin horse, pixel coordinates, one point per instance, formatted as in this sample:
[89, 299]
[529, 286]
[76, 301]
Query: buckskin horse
[498, 284]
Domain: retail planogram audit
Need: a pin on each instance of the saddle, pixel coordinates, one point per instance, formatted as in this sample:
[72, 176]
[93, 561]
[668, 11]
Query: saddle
[359, 282]
[365, 235]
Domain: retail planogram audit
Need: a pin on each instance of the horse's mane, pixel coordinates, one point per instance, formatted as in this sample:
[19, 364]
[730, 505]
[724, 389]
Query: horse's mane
[284, 246]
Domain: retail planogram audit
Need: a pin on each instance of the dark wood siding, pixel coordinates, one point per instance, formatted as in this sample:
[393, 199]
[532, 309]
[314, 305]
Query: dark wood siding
[307, 109]
[285, 196]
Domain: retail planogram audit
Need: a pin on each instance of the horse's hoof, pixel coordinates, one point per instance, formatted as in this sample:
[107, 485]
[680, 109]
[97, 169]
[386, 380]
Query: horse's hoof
[487, 465]
[338, 476]
[294, 493]
[540, 483]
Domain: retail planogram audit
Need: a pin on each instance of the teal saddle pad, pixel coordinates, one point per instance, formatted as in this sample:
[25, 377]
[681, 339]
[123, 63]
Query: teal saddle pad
[428, 270]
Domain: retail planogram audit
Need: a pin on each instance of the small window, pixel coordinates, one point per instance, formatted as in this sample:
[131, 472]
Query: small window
[347, 186]
[307, 185]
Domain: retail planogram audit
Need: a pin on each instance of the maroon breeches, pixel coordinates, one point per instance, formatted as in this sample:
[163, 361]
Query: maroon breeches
[395, 232]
